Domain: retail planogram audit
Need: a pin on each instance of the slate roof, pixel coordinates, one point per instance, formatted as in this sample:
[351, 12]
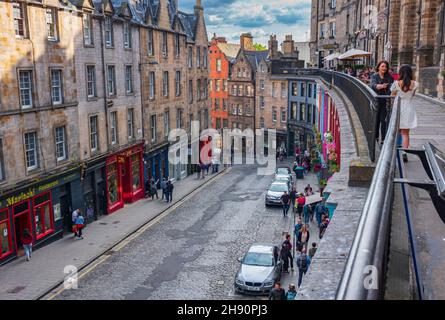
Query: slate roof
[255, 57]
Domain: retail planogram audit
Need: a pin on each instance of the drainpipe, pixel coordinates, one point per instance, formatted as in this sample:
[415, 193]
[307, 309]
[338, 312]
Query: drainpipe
[102, 36]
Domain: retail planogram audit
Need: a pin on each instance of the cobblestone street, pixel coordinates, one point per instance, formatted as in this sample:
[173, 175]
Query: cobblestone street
[192, 253]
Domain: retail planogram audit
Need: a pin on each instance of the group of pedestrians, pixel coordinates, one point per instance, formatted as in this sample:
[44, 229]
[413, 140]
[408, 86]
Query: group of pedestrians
[203, 168]
[278, 293]
[165, 185]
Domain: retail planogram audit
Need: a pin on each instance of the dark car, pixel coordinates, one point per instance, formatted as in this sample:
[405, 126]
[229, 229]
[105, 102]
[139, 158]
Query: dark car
[260, 269]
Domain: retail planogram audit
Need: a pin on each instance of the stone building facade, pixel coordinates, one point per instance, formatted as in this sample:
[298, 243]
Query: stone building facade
[76, 109]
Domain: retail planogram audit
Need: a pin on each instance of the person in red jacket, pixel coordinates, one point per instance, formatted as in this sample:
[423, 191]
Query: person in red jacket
[27, 243]
[301, 201]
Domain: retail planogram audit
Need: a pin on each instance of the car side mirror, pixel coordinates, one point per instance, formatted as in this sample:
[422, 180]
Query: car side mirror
[240, 259]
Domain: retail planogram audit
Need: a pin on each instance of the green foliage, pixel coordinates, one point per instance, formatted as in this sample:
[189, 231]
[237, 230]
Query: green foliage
[259, 47]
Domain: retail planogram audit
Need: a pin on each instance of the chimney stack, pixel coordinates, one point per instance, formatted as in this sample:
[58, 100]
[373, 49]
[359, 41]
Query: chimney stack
[288, 46]
[246, 42]
[273, 47]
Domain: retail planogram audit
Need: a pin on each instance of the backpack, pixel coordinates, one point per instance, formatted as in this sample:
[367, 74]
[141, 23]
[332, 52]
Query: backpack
[291, 295]
[302, 262]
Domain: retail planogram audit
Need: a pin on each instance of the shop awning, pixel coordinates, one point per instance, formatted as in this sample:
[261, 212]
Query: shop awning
[332, 56]
[354, 54]
[313, 199]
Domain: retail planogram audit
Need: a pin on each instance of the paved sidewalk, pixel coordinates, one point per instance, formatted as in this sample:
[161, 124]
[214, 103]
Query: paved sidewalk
[24, 280]
[312, 179]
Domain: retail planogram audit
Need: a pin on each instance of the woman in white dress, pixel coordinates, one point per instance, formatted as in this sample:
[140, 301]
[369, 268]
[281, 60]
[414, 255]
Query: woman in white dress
[405, 90]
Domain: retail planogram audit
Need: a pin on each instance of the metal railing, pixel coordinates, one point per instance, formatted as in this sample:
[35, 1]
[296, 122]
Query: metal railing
[364, 274]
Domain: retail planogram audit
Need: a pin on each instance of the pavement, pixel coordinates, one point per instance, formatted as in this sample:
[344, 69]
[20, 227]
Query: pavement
[428, 227]
[22, 280]
[191, 253]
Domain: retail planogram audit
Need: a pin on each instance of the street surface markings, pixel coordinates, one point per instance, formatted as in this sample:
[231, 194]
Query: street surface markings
[106, 255]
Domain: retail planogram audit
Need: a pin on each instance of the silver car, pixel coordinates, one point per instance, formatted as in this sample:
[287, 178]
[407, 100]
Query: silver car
[275, 191]
[284, 178]
[260, 269]
[283, 171]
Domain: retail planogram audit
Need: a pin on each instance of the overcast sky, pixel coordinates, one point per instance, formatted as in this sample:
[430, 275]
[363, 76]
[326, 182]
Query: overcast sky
[229, 18]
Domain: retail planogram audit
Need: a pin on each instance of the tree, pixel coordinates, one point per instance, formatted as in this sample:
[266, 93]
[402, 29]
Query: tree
[259, 47]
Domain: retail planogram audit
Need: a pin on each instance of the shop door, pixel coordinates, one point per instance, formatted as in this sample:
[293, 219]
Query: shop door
[21, 222]
[102, 199]
[66, 210]
[126, 179]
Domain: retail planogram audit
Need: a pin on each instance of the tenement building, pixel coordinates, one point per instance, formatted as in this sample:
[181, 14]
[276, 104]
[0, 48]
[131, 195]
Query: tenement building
[88, 93]
[222, 55]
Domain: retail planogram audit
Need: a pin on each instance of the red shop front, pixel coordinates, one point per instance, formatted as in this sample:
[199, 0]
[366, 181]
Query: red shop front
[124, 178]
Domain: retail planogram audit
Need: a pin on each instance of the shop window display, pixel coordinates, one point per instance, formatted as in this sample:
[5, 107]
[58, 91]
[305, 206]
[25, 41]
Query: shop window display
[136, 172]
[113, 187]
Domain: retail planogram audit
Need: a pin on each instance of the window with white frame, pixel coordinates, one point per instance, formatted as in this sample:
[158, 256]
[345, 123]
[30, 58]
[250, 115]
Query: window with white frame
[283, 115]
[153, 127]
[127, 35]
[283, 90]
[51, 24]
[31, 150]
[262, 84]
[108, 32]
[198, 89]
[217, 101]
[91, 81]
[114, 131]
[225, 85]
[56, 86]
[130, 123]
[165, 84]
[309, 113]
[309, 90]
[60, 143]
[205, 89]
[322, 30]
[94, 138]
[26, 88]
[332, 29]
[240, 90]
[19, 19]
[274, 114]
[218, 65]
[206, 118]
[164, 44]
[262, 123]
[302, 112]
[262, 102]
[87, 29]
[150, 46]
[294, 89]
[111, 80]
[218, 85]
[234, 89]
[224, 104]
[240, 109]
[274, 92]
[151, 85]
[2, 162]
[166, 123]
[179, 123]
[178, 83]
[128, 79]
[333, 4]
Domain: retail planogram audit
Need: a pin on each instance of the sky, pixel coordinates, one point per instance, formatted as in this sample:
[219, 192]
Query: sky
[230, 18]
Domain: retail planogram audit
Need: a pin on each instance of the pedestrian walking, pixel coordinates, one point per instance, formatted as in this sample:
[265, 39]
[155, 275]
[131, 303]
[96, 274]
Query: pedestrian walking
[80, 224]
[164, 187]
[303, 263]
[312, 250]
[207, 168]
[198, 171]
[285, 201]
[74, 216]
[293, 198]
[320, 209]
[381, 82]
[291, 293]
[153, 189]
[298, 227]
[323, 226]
[308, 191]
[303, 237]
[277, 293]
[306, 213]
[27, 241]
[170, 188]
[301, 201]
[404, 90]
[286, 254]
[202, 170]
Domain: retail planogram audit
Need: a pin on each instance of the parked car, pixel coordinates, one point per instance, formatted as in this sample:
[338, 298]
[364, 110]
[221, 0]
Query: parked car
[284, 178]
[275, 191]
[283, 171]
[260, 268]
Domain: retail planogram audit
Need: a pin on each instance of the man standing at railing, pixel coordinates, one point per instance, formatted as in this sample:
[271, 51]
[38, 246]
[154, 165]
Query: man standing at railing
[381, 82]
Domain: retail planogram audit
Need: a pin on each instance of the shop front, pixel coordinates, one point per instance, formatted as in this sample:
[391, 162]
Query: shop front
[124, 178]
[157, 164]
[37, 208]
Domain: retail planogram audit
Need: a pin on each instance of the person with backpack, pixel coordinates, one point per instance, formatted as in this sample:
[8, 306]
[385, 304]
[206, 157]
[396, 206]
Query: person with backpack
[291, 293]
[303, 263]
[306, 213]
[153, 189]
[293, 198]
[312, 250]
[170, 188]
[320, 209]
[286, 254]
[285, 201]
[164, 187]
[277, 293]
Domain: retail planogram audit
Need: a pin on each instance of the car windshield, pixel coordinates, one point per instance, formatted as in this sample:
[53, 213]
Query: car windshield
[282, 171]
[258, 259]
[282, 178]
[278, 187]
